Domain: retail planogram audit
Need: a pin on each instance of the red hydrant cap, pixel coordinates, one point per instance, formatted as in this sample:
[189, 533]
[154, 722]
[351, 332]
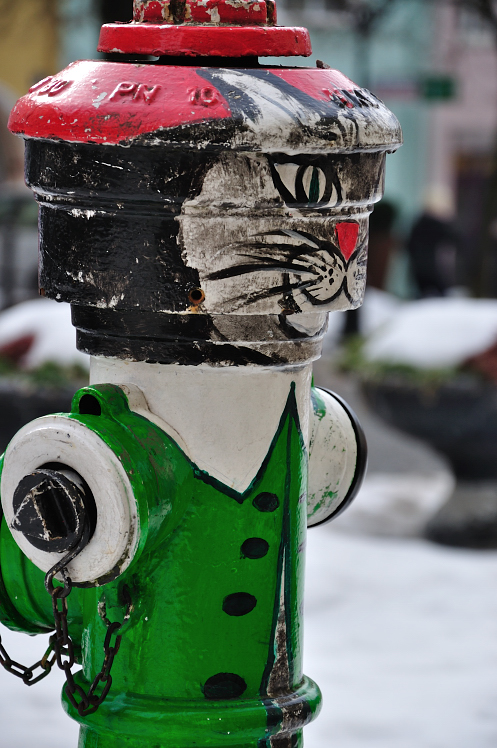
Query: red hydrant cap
[205, 28]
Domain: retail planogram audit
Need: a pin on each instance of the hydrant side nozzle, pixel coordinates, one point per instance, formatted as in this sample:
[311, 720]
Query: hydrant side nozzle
[338, 456]
[124, 464]
[30, 612]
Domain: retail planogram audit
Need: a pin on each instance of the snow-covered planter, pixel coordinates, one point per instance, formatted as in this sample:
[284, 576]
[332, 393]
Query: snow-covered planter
[431, 371]
[40, 367]
[458, 417]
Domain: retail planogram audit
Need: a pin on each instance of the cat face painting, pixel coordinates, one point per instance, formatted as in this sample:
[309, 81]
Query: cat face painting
[255, 204]
[280, 233]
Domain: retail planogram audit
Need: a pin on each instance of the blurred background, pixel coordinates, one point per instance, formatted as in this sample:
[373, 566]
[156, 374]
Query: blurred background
[401, 609]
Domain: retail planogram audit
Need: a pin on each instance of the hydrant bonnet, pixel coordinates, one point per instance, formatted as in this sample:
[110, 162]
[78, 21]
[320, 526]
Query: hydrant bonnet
[300, 151]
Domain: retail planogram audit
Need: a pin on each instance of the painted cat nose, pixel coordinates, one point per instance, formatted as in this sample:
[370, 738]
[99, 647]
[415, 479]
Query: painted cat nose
[347, 234]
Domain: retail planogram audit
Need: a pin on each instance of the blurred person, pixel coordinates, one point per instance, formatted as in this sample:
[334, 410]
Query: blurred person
[433, 245]
[382, 243]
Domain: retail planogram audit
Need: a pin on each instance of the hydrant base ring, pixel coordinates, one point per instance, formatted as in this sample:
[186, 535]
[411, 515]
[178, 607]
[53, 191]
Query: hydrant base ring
[184, 723]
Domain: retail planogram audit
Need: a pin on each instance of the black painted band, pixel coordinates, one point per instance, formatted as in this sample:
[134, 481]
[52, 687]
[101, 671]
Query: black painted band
[190, 340]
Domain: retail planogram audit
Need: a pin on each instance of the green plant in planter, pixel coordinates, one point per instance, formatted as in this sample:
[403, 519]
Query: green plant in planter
[353, 360]
[49, 375]
[454, 409]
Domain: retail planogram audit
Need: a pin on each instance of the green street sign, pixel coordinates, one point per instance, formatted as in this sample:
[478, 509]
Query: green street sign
[437, 88]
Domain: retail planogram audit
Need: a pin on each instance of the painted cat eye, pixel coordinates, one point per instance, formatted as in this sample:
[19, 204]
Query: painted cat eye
[305, 183]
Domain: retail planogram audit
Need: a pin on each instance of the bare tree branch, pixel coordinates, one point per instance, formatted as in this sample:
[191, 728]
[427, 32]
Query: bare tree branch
[485, 9]
[368, 15]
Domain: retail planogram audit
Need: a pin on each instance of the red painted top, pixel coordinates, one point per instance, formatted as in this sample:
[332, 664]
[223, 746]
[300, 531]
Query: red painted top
[112, 102]
[254, 108]
[224, 28]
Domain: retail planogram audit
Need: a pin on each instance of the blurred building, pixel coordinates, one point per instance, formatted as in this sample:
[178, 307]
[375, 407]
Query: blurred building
[28, 52]
[433, 65]
[37, 38]
[463, 136]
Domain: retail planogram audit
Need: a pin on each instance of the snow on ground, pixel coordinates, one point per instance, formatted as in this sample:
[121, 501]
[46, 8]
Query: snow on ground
[434, 333]
[401, 636]
[378, 308]
[50, 324]
[397, 504]
[431, 333]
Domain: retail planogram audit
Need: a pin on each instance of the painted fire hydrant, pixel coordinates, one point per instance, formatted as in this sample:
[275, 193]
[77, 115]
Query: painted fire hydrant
[202, 215]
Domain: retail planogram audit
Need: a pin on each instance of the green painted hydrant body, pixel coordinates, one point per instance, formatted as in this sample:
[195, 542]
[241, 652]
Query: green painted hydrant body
[202, 215]
[212, 652]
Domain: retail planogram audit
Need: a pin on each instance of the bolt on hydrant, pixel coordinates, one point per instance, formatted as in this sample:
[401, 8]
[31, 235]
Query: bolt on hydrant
[202, 214]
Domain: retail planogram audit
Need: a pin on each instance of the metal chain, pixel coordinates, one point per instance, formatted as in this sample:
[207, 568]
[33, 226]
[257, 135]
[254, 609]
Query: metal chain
[27, 674]
[84, 703]
[61, 645]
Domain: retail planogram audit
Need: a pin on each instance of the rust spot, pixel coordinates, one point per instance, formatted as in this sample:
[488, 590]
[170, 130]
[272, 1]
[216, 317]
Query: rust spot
[271, 13]
[42, 292]
[177, 9]
[196, 296]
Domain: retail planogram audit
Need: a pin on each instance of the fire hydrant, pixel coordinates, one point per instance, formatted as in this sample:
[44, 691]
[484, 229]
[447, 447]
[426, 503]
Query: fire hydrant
[202, 215]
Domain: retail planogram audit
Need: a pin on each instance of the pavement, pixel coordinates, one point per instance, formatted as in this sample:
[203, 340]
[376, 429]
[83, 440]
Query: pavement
[406, 482]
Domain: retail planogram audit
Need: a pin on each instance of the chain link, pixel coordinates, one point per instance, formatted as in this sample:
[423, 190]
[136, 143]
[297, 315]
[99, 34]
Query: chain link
[84, 702]
[61, 648]
[28, 674]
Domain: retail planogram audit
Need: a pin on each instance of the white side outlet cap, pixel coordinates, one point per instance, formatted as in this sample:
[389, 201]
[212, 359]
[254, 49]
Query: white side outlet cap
[68, 442]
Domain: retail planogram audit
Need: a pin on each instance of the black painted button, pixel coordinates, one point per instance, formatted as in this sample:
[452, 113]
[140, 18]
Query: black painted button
[239, 604]
[224, 686]
[266, 502]
[254, 548]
